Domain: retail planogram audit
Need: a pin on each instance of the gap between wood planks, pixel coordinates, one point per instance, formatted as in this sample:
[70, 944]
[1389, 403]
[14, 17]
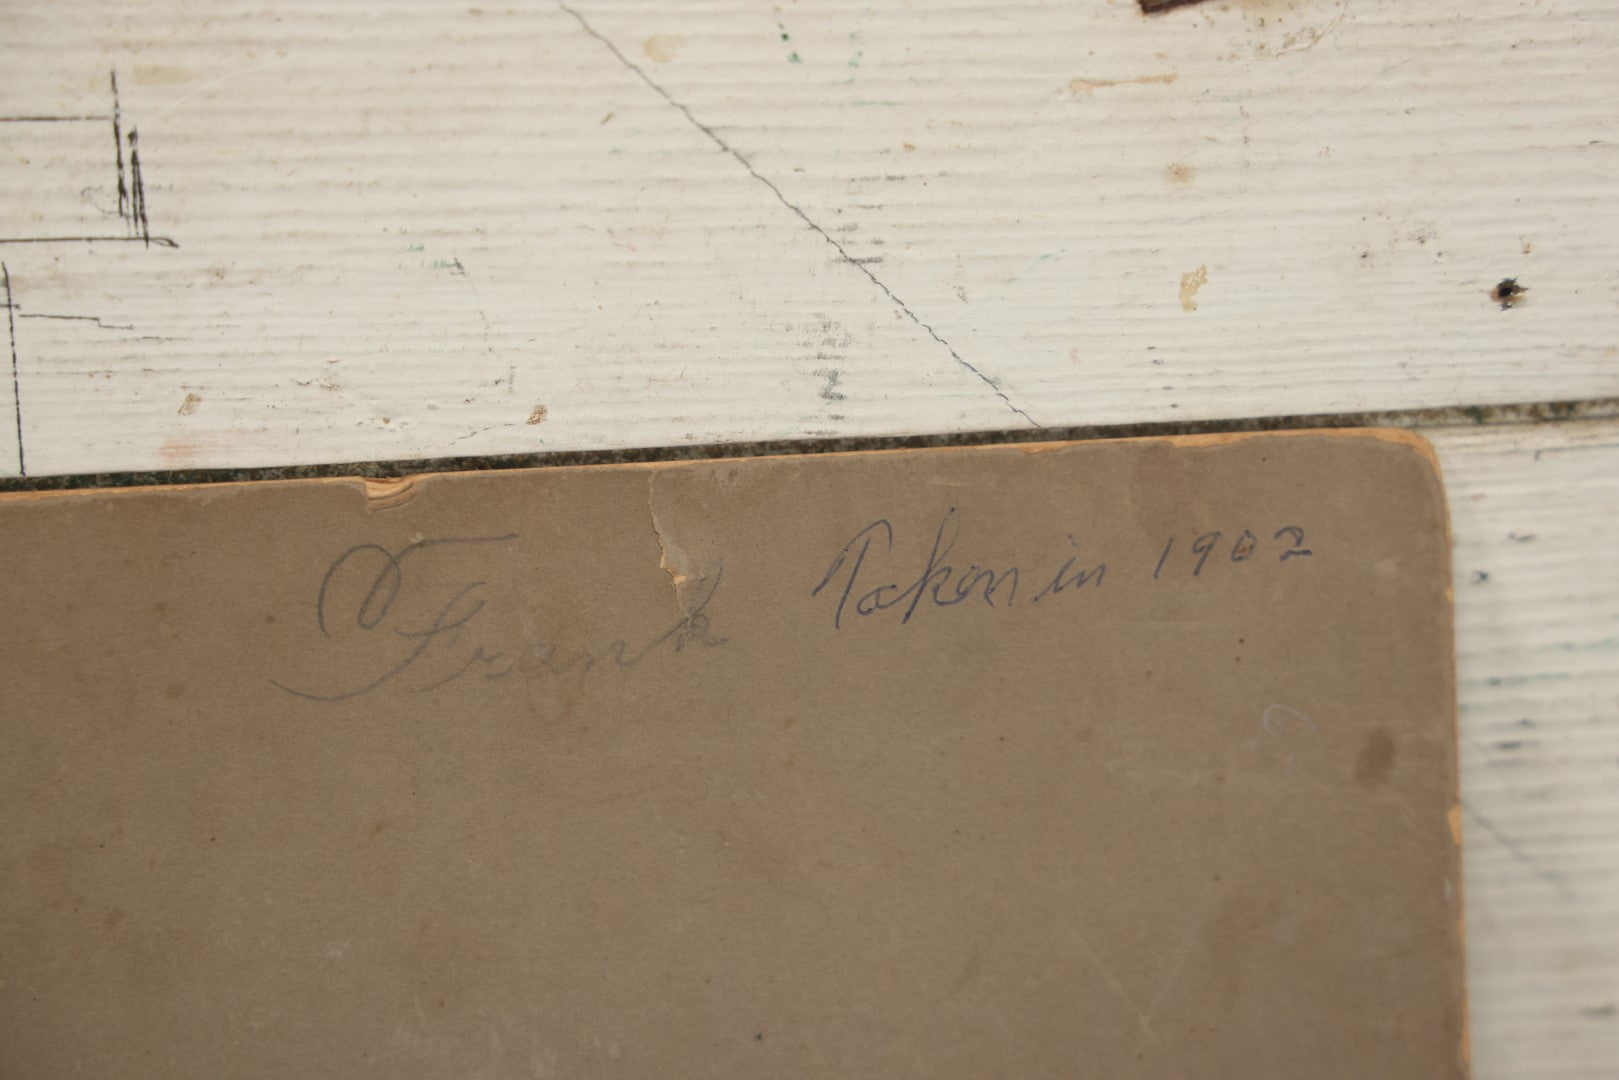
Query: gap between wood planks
[1535, 412]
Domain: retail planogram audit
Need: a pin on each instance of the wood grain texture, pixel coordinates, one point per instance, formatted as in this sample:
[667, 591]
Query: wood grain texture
[402, 229]
[1533, 512]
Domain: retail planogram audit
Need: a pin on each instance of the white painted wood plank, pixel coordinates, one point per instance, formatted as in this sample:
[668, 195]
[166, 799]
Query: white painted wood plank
[404, 227]
[1534, 512]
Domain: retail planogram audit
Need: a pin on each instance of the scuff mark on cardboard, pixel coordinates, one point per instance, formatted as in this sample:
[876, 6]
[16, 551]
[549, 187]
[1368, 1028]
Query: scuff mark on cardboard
[672, 560]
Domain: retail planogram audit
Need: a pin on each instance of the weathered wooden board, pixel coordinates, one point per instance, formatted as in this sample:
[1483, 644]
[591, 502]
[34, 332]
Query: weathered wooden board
[1533, 513]
[424, 230]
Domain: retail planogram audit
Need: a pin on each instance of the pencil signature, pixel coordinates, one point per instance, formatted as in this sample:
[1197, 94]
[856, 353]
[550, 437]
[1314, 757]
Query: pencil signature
[363, 608]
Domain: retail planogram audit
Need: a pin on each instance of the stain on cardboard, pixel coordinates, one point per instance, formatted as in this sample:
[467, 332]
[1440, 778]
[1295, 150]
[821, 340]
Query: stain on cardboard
[1376, 758]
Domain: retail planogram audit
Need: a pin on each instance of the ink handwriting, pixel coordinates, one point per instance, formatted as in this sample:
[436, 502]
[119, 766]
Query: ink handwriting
[869, 575]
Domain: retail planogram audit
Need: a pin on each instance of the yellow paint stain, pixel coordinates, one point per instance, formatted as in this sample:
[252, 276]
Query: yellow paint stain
[189, 405]
[1082, 87]
[163, 75]
[1190, 283]
[1454, 817]
[662, 47]
[1179, 174]
[537, 416]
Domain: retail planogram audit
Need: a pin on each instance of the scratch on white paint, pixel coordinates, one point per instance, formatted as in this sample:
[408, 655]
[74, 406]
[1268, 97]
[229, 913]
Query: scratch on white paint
[209, 85]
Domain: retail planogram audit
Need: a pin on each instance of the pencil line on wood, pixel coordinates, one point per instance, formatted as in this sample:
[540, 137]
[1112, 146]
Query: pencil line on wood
[16, 392]
[137, 205]
[160, 241]
[77, 318]
[1512, 847]
[118, 148]
[51, 119]
[843, 254]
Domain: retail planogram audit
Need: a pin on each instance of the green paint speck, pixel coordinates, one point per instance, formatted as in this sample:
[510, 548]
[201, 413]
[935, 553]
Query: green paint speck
[792, 58]
[417, 247]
